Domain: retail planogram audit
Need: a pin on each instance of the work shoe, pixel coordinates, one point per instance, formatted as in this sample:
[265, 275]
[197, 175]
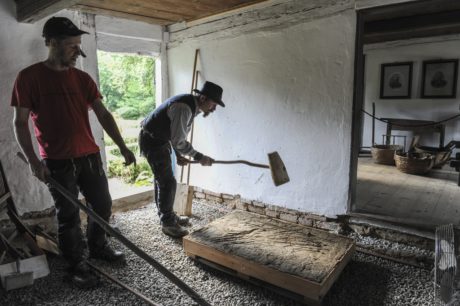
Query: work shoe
[81, 276]
[107, 253]
[175, 230]
[182, 220]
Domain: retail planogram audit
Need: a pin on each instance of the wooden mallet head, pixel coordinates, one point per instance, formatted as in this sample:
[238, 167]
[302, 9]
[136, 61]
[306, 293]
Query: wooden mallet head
[277, 168]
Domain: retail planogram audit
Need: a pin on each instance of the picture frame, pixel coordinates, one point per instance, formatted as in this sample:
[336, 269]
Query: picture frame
[396, 80]
[439, 79]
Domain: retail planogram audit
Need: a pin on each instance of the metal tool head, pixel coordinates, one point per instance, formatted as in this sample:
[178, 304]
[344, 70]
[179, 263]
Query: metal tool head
[277, 168]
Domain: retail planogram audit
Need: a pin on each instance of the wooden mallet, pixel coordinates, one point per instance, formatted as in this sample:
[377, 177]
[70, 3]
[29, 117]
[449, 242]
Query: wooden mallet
[276, 166]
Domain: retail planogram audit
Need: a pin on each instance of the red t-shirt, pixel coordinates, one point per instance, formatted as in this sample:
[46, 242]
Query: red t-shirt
[59, 102]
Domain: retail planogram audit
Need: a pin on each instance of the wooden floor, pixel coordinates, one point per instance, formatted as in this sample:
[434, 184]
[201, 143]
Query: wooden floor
[431, 199]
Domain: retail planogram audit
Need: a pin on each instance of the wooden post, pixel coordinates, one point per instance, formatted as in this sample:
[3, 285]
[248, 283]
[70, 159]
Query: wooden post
[373, 123]
[183, 200]
[197, 51]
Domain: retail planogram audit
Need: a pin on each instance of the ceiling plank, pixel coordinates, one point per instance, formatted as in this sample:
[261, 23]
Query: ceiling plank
[121, 14]
[31, 11]
[170, 10]
[139, 7]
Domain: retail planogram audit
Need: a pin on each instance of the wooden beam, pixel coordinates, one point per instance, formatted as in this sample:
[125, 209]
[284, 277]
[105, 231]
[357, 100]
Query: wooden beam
[120, 14]
[443, 23]
[31, 11]
[415, 8]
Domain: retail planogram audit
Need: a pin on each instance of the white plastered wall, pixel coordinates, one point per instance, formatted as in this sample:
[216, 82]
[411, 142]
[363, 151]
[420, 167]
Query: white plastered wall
[434, 109]
[21, 45]
[287, 89]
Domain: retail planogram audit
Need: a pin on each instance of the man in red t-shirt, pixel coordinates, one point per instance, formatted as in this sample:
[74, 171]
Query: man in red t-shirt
[57, 97]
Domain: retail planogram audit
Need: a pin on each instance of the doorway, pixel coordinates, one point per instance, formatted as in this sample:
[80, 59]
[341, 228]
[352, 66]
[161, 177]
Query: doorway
[127, 83]
[403, 42]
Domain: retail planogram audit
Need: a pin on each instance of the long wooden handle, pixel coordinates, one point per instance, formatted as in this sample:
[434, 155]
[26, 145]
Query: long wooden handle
[236, 162]
[110, 230]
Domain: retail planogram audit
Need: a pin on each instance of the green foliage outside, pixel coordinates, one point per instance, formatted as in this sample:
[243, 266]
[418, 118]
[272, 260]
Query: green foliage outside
[127, 84]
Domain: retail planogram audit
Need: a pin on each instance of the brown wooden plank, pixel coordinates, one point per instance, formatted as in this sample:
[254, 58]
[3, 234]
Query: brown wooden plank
[33, 10]
[112, 13]
[161, 11]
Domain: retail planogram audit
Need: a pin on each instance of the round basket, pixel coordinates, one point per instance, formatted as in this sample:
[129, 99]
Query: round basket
[414, 163]
[384, 154]
[441, 156]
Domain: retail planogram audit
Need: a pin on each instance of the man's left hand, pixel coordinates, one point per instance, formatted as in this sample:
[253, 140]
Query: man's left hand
[129, 156]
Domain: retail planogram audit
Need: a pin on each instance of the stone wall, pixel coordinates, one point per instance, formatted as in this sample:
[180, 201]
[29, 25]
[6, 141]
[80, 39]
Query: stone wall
[286, 214]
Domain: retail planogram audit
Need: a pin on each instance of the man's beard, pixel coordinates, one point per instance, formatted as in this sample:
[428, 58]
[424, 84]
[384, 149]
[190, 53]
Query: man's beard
[206, 114]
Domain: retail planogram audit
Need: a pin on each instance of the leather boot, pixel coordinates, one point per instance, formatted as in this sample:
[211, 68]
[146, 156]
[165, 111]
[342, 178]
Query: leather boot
[106, 253]
[182, 220]
[174, 230]
[81, 276]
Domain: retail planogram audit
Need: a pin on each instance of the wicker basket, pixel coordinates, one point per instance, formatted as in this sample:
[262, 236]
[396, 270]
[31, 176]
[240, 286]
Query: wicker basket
[414, 163]
[384, 154]
[441, 155]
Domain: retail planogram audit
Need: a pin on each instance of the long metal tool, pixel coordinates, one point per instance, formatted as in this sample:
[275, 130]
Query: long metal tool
[121, 284]
[108, 229]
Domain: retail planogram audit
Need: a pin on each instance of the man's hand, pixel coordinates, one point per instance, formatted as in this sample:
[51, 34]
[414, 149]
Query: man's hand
[39, 170]
[181, 161]
[129, 156]
[206, 161]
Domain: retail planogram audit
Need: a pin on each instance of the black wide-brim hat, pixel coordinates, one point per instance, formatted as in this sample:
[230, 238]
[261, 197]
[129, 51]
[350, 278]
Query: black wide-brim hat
[212, 91]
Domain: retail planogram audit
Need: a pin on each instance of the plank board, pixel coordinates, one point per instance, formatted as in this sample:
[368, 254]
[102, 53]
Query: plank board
[300, 259]
[183, 200]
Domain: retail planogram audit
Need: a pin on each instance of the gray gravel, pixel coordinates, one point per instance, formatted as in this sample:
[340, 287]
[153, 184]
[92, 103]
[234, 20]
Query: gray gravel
[367, 280]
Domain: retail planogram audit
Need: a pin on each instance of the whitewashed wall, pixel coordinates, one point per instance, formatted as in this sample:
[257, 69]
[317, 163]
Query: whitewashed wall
[20, 46]
[287, 89]
[417, 51]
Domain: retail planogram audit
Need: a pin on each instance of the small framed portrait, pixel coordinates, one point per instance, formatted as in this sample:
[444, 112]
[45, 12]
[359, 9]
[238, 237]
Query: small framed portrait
[440, 79]
[396, 80]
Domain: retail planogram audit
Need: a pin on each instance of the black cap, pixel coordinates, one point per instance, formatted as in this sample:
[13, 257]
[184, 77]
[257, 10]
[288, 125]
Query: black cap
[61, 26]
[212, 91]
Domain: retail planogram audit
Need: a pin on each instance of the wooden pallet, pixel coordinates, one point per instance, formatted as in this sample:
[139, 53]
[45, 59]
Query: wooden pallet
[295, 260]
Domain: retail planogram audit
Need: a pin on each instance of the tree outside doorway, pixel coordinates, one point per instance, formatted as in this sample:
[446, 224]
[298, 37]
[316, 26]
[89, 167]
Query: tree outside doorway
[127, 84]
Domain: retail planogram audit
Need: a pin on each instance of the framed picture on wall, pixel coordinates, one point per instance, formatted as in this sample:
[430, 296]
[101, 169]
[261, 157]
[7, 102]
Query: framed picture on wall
[440, 79]
[396, 80]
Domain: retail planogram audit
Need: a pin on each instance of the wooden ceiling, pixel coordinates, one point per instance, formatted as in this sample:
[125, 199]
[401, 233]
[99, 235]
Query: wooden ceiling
[161, 12]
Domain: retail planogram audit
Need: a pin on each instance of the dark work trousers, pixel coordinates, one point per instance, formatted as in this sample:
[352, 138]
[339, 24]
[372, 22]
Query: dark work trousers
[159, 159]
[85, 174]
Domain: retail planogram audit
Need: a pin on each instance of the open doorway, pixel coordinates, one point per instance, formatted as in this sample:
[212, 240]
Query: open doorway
[127, 83]
[400, 51]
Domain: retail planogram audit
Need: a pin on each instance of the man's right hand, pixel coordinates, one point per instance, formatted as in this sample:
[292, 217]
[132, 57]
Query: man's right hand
[206, 161]
[39, 170]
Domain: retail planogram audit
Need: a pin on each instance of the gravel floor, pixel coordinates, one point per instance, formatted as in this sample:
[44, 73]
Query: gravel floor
[367, 280]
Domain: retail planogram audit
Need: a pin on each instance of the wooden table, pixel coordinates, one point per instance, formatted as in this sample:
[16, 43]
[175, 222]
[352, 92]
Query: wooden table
[414, 125]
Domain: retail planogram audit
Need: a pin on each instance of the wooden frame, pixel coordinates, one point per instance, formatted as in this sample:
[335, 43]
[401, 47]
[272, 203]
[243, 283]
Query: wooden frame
[440, 79]
[245, 258]
[396, 80]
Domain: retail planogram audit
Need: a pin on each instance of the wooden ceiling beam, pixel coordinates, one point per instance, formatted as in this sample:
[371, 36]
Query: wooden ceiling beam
[31, 11]
[120, 14]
